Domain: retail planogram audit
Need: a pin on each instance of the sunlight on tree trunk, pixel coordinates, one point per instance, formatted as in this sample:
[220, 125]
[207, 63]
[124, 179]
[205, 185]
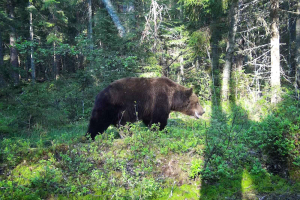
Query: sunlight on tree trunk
[110, 9]
[55, 66]
[289, 29]
[230, 49]
[181, 72]
[90, 28]
[32, 66]
[275, 53]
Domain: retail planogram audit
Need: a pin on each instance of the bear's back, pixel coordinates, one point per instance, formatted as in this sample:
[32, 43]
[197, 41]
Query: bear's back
[128, 90]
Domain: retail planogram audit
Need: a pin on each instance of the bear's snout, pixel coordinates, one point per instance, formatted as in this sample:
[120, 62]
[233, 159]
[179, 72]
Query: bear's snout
[199, 114]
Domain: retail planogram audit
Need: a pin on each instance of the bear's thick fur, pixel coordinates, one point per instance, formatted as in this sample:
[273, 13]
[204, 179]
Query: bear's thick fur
[148, 99]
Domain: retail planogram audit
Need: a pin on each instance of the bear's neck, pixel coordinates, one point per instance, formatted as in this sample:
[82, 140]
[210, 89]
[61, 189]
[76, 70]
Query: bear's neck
[179, 101]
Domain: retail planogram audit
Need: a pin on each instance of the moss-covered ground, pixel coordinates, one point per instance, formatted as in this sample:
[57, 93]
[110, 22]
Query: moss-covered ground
[144, 164]
[244, 151]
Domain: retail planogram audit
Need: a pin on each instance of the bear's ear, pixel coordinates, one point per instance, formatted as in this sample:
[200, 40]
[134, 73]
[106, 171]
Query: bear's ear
[189, 92]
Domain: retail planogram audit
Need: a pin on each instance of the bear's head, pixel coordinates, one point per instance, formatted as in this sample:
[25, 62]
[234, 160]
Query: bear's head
[187, 103]
[194, 108]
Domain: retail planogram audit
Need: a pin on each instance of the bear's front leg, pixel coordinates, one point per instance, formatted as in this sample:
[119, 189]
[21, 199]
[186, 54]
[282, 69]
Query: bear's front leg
[161, 113]
[99, 122]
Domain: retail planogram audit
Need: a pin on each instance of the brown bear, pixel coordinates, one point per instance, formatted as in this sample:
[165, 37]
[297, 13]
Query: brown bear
[148, 99]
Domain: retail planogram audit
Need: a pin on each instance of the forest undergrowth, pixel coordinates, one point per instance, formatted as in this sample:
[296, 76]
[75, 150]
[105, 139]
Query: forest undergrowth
[231, 153]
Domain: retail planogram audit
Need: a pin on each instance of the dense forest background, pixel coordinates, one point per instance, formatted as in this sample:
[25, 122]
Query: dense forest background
[241, 57]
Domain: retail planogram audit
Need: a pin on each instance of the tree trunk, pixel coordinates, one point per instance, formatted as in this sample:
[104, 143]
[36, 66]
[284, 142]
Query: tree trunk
[90, 27]
[275, 53]
[2, 82]
[181, 73]
[298, 49]
[56, 67]
[54, 62]
[32, 66]
[230, 49]
[111, 11]
[13, 51]
[155, 26]
[215, 71]
[289, 41]
[1, 50]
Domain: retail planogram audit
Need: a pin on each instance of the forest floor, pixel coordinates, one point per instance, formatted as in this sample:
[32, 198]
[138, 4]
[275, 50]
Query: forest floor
[144, 164]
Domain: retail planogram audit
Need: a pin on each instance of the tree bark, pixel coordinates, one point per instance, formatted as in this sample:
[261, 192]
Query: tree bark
[181, 72]
[298, 49]
[111, 11]
[215, 68]
[13, 51]
[1, 50]
[56, 67]
[2, 81]
[90, 27]
[275, 53]
[230, 49]
[289, 41]
[32, 66]
[55, 71]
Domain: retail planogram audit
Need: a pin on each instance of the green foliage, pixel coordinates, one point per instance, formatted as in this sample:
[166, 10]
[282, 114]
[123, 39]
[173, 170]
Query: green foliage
[136, 167]
[196, 10]
[224, 150]
[49, 104]
[200, 42]
[277, 135]
[13, 150]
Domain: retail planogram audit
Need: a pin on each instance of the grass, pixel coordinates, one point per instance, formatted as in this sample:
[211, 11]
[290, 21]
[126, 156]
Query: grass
[146, 164]
[224, 155]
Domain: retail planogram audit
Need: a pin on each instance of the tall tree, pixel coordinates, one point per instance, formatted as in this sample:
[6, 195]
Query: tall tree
[298, 49]
[1, 50]
[230, 49]
[32, 66]
[111, 11]
[216, 29]
[12, 40]
[275, 53]
[90, 27]
[2, 82]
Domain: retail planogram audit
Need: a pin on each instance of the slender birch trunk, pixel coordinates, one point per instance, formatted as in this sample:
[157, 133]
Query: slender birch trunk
[111, 11]
[90, 27]
[289, 41]
[181, 73]
[55, 72]
[32, 66]
[275, 53]
[56, 66]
